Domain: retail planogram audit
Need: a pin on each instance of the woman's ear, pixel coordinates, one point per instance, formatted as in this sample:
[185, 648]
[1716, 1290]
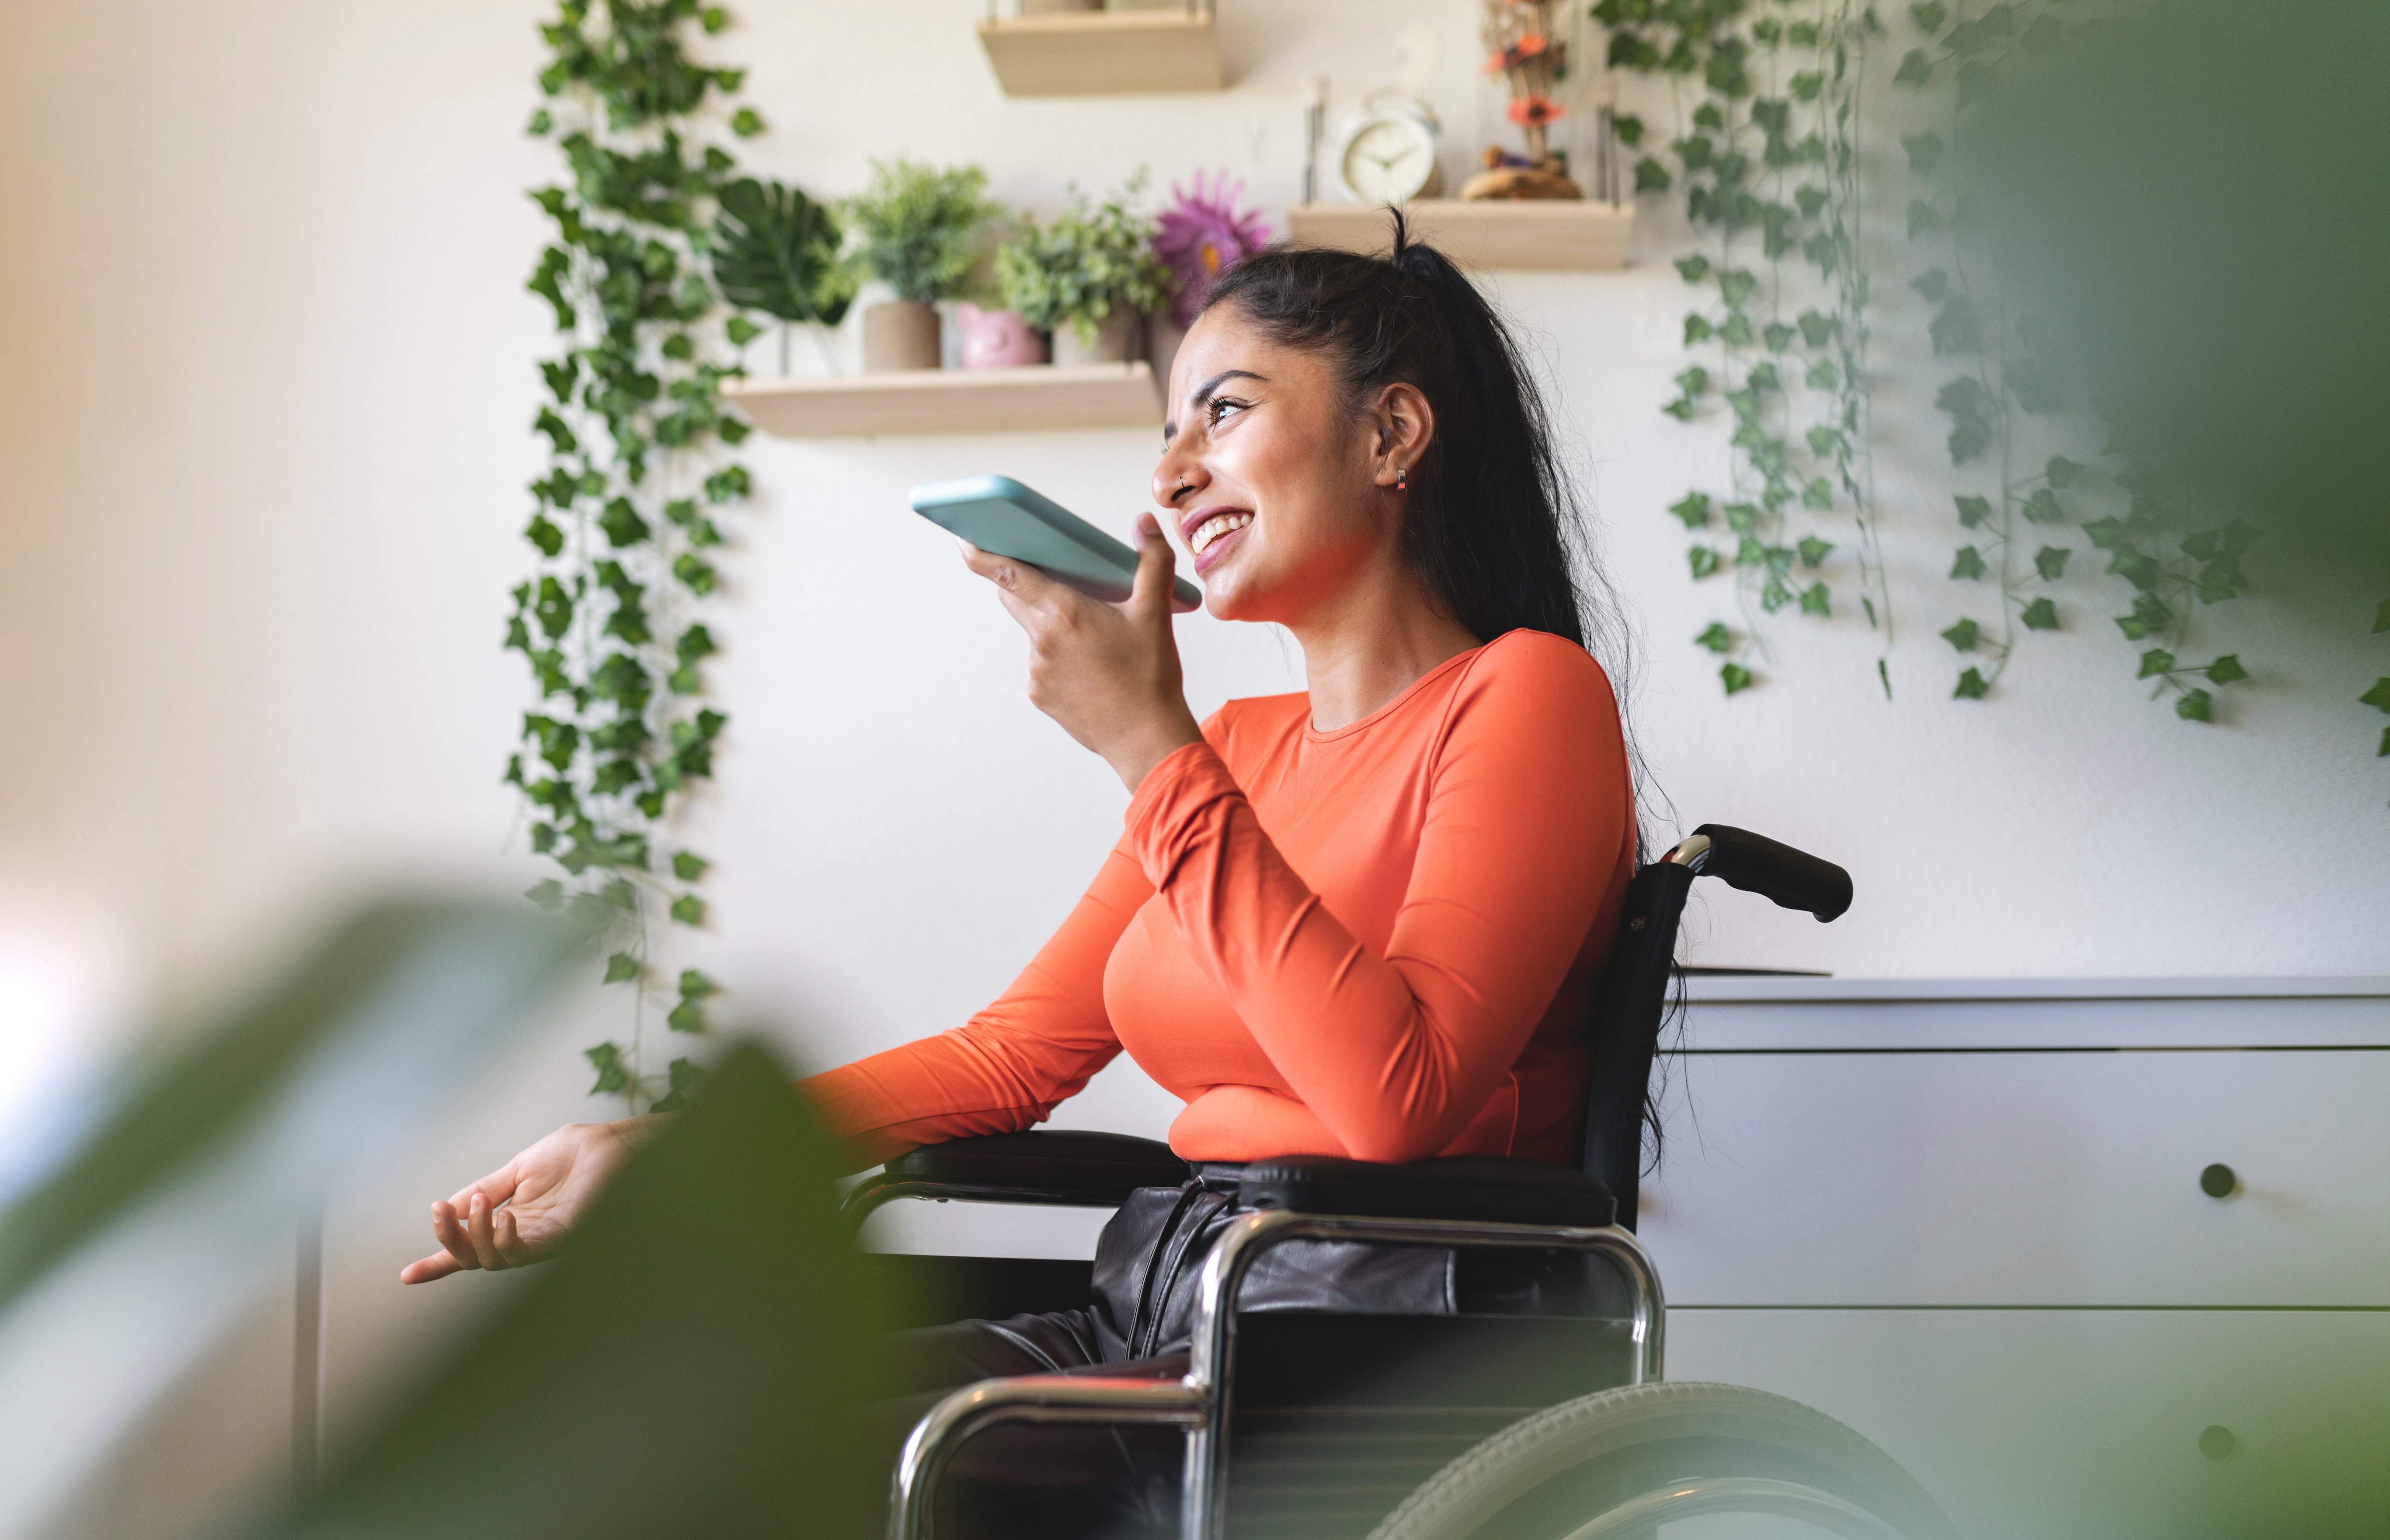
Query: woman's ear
[1405, 423]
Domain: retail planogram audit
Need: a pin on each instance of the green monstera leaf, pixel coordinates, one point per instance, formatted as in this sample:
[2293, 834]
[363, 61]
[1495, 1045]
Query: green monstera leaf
[776, 251]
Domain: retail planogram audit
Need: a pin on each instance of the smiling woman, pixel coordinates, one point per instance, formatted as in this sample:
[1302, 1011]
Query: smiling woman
[1362, 920]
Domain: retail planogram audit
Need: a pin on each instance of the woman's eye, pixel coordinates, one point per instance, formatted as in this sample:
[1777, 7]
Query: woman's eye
[1221, 407]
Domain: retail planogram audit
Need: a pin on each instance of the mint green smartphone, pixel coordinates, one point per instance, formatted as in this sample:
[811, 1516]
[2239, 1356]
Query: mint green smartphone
[997, 514]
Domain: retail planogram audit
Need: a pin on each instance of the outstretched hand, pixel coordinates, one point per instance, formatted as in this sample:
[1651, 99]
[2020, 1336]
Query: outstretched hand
[524, 1210]
[1108, 673]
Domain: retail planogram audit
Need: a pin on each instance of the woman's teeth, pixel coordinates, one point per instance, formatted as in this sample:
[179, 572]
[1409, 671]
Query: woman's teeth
[1213, 529]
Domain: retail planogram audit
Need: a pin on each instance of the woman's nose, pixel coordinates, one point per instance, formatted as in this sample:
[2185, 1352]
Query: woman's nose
[1178, 471]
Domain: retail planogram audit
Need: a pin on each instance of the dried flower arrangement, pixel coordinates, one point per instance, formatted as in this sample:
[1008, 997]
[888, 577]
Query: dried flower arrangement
[1519, 35]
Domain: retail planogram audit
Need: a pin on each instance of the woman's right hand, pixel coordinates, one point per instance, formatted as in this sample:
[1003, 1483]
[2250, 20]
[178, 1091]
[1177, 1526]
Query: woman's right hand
[525, 1211]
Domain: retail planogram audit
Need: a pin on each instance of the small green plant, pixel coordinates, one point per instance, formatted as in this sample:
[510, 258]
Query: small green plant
[918, 227]
[776, 251]
[1084, 264]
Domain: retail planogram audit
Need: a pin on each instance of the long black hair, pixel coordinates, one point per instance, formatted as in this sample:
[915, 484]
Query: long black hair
[1491, 524]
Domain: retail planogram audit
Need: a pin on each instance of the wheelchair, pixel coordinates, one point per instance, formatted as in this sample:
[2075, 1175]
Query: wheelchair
[1487, 1424]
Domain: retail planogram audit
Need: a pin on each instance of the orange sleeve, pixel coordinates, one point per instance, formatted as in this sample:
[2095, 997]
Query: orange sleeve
[1527, 807]
[1006, 1068]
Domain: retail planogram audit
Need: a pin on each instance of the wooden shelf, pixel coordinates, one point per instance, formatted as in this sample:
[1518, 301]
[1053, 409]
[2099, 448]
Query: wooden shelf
[1042, 397]
[1104, 53]
[1543, 236]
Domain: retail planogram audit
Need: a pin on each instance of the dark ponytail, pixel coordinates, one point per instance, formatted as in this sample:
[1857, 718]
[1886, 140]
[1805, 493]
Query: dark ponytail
[1490, 524]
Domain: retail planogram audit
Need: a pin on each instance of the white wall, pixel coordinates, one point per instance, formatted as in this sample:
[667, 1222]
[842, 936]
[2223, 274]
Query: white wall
[263, 428]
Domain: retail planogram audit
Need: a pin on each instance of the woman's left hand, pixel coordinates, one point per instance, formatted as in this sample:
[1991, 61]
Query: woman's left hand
[1108, 673]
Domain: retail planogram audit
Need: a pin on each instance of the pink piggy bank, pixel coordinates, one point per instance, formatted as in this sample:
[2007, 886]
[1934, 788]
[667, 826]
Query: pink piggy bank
[997, 338]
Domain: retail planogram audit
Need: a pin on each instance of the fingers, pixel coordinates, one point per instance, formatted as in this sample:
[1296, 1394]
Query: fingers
[1156, 566]
[449, 1230]
[497, 1187]
[479, 1229]
[439, 1265]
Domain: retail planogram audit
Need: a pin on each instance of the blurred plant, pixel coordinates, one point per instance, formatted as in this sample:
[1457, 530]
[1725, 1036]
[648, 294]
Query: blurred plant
[623, 519]
[1201, 236]
[918, 227]
[776, 251]
[1768, 157]
[1082, 264]
[1522, 50]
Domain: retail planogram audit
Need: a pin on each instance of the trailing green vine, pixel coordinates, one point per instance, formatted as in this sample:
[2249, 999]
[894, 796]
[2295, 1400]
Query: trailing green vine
[1771, 150]
[1767, 161]
[623, 519]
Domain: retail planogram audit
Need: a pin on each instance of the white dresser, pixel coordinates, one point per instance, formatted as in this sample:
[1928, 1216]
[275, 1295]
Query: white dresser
[2093, 1258]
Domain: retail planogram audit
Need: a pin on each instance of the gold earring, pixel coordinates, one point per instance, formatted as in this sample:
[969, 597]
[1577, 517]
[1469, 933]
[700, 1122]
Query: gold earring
[1401, 479]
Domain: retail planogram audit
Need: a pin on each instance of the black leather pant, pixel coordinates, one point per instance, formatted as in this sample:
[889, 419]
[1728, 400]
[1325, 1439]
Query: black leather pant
[1073, 1482]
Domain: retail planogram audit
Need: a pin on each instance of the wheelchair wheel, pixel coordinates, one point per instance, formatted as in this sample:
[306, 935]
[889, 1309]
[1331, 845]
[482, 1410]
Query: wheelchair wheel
[1625, 1461]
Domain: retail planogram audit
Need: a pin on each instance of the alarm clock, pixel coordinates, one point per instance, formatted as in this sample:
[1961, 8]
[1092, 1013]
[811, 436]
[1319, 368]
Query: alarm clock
[1389, 154]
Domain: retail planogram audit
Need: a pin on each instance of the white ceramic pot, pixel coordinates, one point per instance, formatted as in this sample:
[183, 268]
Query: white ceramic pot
[1115, 341]
[900, 334]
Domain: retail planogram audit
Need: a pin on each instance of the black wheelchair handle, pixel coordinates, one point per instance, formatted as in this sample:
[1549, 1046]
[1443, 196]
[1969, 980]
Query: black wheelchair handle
[1788, 878]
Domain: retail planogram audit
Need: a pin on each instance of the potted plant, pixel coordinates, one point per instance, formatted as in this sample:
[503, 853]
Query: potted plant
[917, 230]
[1089, 277]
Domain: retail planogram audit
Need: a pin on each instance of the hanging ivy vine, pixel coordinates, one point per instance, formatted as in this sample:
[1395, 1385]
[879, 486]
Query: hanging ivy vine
[623, 519]
[1770, 152]
[1766, 161]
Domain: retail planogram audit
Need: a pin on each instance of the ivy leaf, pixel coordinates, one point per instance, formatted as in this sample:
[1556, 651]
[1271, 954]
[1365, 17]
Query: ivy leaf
[1923, 218]
[2051, 562]
[685, 1076]
[696, 575]
[688, 909]
[1715, 637]
[621, 523]
[1735, 678]
[1777, 336]
[1742, 518]
[1629, 129]
[1973, 511]
[1817, 599]
[2226, 669]
[2042, 508]
[2196, 705]
[612, 1074]
[1818, 498]
[1822, 376]
[746, 122]
[1737, 285]
[1963, 635]
[730, 482]
[543, 533]
[1929, 17]
[1651, 177]
[1736, 330]
[740, 330]
[1934, 283]
[1812, 199]
[1955, 328]
[2382, 618]
[547, 893]
[1693, 268]
[1693, 509]
[560, 435]
[1775, 595]
[2062, 471]
[2041, 615]
[2155, 663]
[2238, 535]
[1697, 330]
[2378, 697]
[1924, 152]
[713, 18]
[1914, 68]
[1703, 561]
[553, 610]
[620, 966]
[695, 985]
[688, 1016]
[1969, 566]
[1816, 330]
[1973, 686]
[2383, 752]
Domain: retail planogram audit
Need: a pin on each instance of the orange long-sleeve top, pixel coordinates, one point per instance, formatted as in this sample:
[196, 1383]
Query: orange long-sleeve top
[1375, 941]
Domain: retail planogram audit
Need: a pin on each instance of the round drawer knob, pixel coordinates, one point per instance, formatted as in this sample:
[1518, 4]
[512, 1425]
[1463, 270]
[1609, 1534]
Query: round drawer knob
[2217, 1443]
[2218, 1181]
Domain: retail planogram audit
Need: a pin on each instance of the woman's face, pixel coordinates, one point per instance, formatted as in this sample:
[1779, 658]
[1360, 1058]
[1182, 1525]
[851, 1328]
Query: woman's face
[1271, 481]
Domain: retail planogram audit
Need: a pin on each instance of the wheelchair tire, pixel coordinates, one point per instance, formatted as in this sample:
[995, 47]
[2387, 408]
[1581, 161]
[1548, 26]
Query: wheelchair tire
[1623, 1462]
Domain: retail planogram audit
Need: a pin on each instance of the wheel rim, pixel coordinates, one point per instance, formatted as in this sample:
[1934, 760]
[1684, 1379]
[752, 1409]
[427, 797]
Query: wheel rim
[1688, 1499]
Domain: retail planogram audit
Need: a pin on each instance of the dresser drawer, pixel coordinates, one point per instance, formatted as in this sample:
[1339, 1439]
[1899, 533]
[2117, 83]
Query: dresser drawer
[2090, 1425]
[2024, 1179]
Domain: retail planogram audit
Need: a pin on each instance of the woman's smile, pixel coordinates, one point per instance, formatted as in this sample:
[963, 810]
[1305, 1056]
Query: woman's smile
[1211, 530]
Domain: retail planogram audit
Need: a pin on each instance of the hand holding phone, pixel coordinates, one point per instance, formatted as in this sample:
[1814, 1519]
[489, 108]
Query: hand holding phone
[1003, 517]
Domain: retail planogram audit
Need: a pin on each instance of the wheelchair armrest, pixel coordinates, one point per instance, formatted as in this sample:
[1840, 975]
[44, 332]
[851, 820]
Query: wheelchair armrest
[1454, 1186]
[1050, 1166]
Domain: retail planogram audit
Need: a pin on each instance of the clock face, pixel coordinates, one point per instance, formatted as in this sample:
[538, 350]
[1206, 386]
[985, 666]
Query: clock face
[1389, 161]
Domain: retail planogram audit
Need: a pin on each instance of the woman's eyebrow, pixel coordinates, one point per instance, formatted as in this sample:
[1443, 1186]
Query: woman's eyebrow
[1205, 392]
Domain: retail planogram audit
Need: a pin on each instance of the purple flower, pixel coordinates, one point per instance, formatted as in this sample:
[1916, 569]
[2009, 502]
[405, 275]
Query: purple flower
[1202, 236]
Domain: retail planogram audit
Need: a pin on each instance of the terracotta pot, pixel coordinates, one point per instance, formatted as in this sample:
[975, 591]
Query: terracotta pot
[901, 334]
[1116, 338]
[997, 338]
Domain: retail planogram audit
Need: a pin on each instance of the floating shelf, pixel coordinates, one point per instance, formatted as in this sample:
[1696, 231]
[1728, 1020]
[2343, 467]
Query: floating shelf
[1044, 396]
[1550, 235]
[1104, 53]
